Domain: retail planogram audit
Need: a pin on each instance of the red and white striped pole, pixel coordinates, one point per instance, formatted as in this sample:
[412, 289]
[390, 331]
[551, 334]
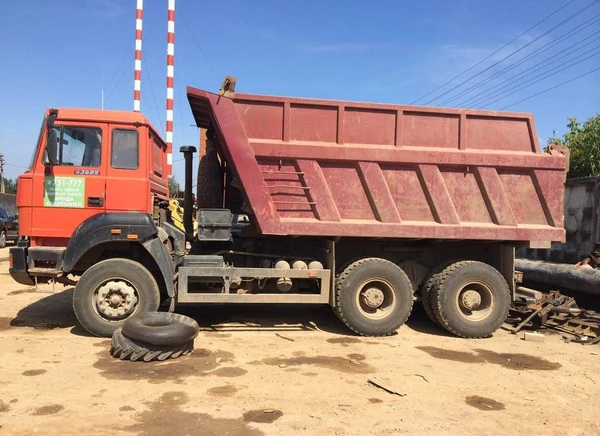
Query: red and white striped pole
[137, 75]
[170, 70]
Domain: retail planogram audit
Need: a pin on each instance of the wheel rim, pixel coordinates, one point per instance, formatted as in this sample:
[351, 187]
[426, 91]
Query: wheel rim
[475, 301]
[2, 238]
[376, 298]
[115, 299]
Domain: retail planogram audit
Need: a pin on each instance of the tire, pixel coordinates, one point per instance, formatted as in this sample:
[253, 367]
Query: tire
[2, 238]
[426, 293]
[390, 302]
[470, 299]
[161, 328]
[124, 348]
[119, 278]
[209, 184]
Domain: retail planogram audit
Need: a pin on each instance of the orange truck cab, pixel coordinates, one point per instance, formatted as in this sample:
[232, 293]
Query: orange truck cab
[90, 170]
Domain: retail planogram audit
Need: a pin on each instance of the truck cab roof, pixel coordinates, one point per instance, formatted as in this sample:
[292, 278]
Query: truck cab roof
[106, 116]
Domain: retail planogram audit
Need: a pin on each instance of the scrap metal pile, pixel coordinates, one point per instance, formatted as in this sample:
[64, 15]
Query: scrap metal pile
[536, 310]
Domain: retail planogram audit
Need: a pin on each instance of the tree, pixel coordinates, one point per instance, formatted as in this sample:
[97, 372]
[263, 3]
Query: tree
[173, 187]
[10, 186]
[584, 146]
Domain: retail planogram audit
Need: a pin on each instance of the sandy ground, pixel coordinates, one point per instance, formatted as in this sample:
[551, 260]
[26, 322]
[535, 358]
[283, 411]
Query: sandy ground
[285, 371]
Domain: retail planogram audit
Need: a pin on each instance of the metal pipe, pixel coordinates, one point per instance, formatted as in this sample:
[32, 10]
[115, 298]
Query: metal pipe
[573, 310]
[563, 276]
[188, 154]
[527, 292]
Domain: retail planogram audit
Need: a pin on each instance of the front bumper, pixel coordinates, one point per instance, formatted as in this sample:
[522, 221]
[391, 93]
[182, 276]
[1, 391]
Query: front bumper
[18, 265]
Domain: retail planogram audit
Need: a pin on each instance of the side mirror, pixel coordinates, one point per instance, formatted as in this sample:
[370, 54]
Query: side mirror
[51, 148]
[51, 118]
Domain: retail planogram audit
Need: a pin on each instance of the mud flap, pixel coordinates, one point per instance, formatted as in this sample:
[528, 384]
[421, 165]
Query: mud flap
[162, 258]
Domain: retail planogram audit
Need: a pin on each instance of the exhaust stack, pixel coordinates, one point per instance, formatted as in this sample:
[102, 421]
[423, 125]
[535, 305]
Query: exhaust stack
[188, 154]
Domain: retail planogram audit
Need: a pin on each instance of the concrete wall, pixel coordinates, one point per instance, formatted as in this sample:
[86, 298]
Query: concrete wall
[582, 223]
[9, 201]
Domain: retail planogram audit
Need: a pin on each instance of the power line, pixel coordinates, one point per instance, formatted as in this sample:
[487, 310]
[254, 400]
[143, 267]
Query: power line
[153, 96]
[549, 61]
[182, 17]
[482, 102]
[492, 54]
[181, 99]
[117, 69]
[527, 58]
[580, 11]
[13, 165]
[537, 81]
[145, 41]
[550, 89]
[117, 84]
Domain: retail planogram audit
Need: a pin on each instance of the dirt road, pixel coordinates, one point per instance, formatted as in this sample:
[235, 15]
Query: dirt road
[285, 371]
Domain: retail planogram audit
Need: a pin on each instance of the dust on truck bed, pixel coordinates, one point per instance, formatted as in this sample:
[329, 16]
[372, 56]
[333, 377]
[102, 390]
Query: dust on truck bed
[340, 168]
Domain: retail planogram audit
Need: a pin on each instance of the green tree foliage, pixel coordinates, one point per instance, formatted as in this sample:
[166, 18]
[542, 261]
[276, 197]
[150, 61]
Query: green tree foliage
[10, 186]
[584, 145]
[173, 187]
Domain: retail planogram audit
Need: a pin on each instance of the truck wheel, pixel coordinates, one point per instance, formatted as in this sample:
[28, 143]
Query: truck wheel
[426, 290]
[110, 292]
[470, 299]
[2, 238]
[373, 297]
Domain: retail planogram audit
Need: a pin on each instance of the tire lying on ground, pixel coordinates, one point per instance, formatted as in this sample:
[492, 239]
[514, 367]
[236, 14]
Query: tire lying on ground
[154, 336]
[470, 299]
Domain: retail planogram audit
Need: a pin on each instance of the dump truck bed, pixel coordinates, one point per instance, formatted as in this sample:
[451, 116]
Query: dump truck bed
[338, 168]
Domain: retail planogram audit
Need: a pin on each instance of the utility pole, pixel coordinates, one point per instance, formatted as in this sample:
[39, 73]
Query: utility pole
[2, 189]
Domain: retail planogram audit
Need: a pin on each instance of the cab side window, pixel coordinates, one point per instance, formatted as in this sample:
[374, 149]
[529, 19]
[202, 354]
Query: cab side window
[77, 146]
[124, 149]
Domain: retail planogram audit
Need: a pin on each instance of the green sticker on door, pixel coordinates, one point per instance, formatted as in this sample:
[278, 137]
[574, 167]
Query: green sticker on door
[64, 192]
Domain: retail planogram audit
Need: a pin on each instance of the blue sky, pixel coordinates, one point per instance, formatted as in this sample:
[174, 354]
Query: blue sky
[62, 53]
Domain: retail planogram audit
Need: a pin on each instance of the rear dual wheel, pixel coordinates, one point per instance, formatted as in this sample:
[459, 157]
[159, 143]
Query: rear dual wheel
[373, 297]
[469, 299]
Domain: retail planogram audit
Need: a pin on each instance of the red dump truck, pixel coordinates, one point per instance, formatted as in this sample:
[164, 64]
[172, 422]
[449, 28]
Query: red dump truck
[365, 207]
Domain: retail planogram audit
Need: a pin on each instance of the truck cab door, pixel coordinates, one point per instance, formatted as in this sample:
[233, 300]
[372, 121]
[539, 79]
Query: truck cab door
[73, 188]
[127, 183]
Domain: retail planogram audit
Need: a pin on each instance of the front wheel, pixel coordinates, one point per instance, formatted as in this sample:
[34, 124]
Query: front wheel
[110, 292]
[2, 238]
[373, 297]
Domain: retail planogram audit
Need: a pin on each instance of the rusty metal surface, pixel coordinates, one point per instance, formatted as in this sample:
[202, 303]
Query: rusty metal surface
[337, 168]
[557, 312]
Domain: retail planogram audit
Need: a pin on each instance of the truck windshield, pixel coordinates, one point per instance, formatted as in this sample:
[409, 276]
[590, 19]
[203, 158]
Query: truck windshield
[78, 146]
